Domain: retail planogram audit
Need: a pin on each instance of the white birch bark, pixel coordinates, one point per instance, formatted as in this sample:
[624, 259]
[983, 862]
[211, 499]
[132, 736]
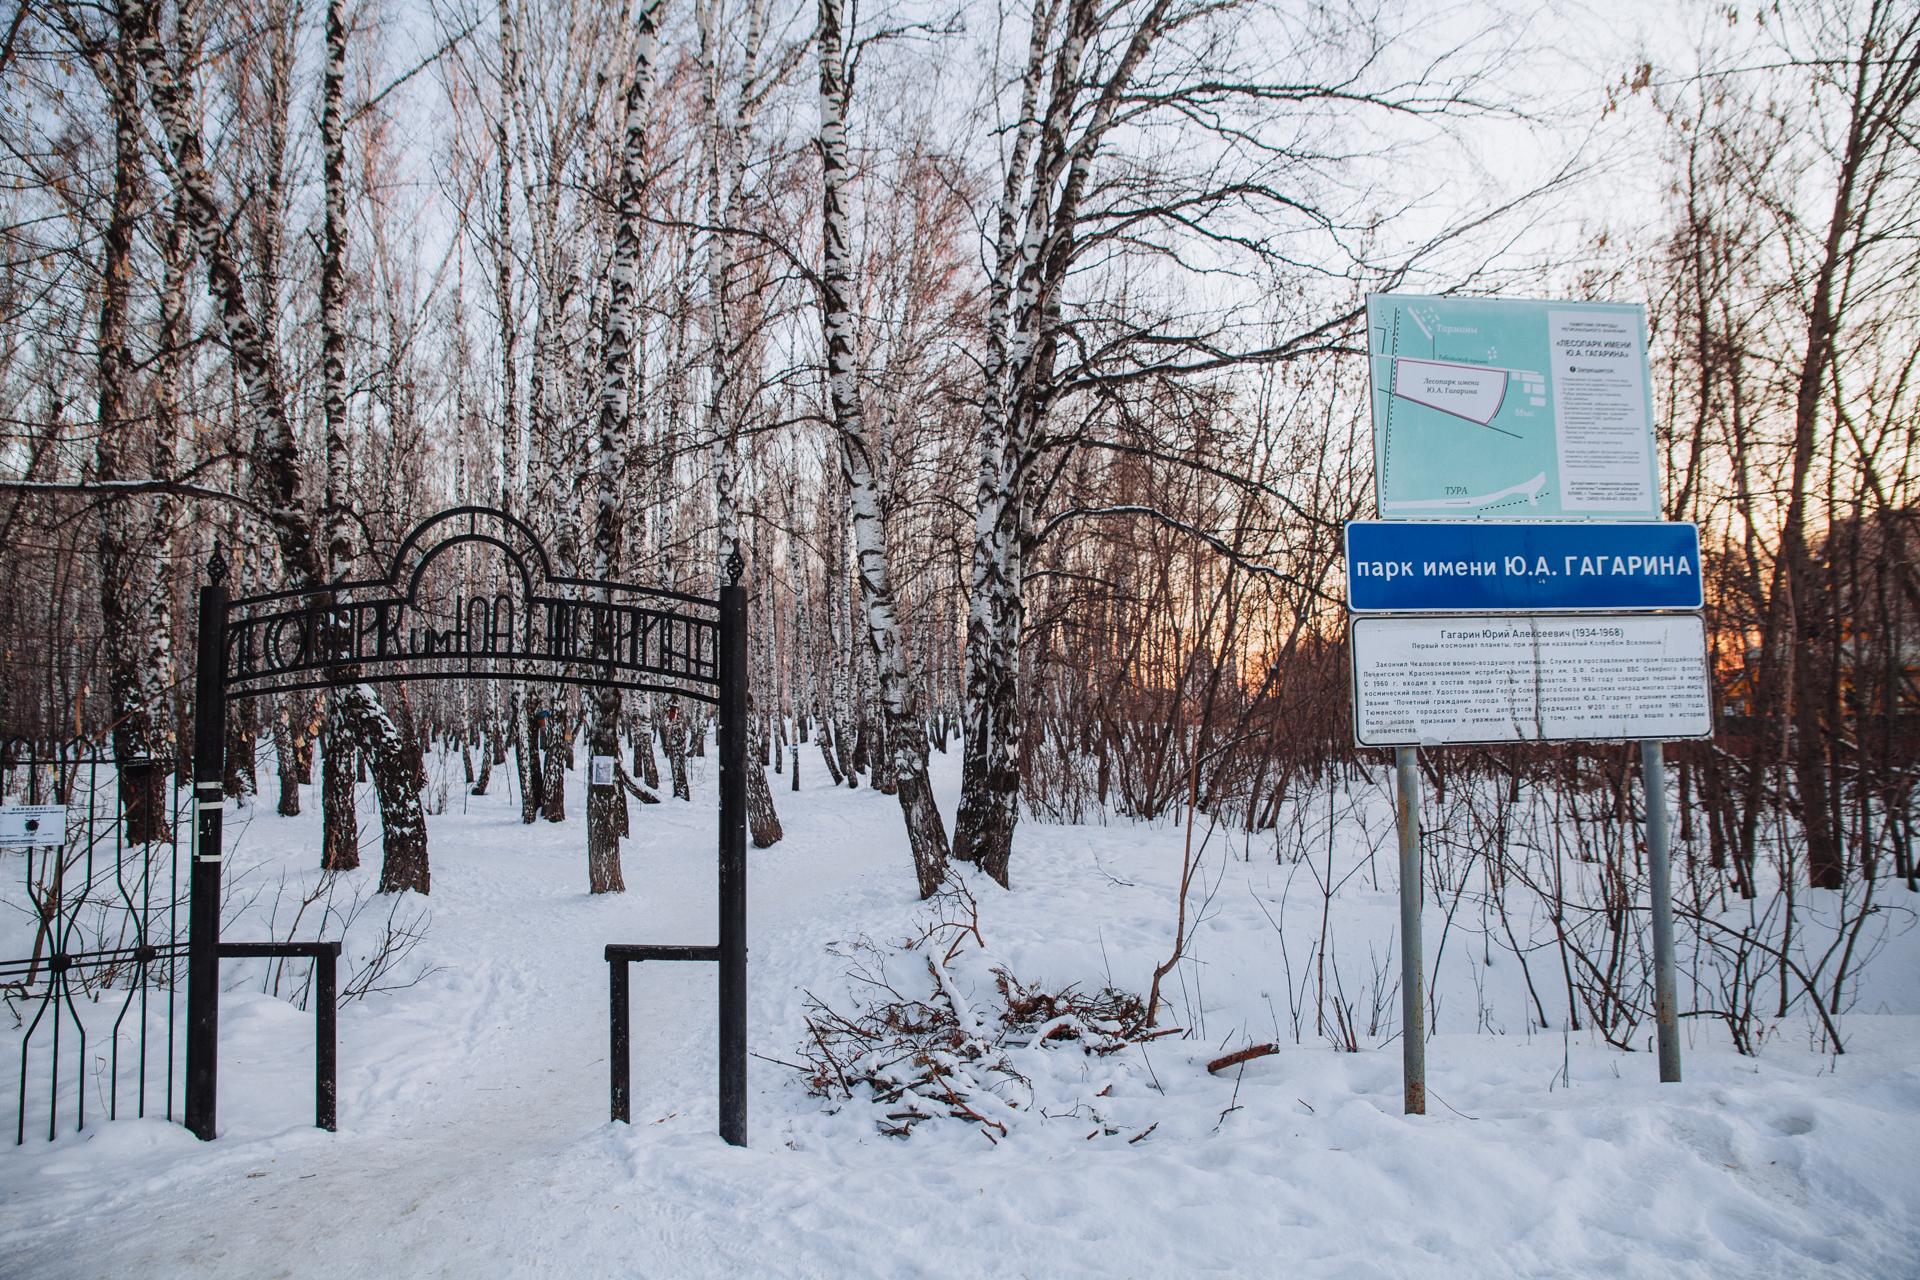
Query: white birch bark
[128, 582]
[607, 807]
[160, 668]
[177, 109]
[513, 440]
[840, 644]
[333, 284]
[984, 822]
[728, 122]
[548, 449]
[801, 677]
[926, 834]
[1025, 302]
[340, 835]
[277, 465]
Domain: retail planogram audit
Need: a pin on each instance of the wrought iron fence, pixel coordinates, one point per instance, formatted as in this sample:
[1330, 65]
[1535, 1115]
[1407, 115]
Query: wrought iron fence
[98, 921]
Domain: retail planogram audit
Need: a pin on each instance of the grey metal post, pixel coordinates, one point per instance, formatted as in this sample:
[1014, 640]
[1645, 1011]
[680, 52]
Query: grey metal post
[1413, 987]
[1653, 776]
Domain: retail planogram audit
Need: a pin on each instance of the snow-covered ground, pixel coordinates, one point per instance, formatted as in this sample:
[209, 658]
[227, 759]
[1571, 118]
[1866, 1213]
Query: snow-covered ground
[474, 1142]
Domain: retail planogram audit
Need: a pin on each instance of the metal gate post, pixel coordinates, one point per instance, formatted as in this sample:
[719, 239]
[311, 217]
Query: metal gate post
[203, 910]
[733, 855]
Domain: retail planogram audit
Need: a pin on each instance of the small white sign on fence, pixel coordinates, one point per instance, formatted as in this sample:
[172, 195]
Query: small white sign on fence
[28, 826]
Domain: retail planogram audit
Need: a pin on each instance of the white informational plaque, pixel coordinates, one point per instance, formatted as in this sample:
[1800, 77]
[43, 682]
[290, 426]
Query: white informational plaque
[1435, 681]
[29, 826]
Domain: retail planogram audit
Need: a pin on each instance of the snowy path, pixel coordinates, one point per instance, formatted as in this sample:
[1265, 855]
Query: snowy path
[475, 1093]
[474, 1143]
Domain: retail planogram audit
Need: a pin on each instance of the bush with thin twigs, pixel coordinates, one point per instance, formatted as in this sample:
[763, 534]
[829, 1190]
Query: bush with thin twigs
[926, 1052]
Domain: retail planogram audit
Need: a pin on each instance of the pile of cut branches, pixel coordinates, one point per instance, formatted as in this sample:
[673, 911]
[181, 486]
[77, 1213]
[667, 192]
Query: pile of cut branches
[920, 1049]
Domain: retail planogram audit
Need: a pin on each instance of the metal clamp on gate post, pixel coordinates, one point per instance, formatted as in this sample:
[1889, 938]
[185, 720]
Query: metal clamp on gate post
[201, 804]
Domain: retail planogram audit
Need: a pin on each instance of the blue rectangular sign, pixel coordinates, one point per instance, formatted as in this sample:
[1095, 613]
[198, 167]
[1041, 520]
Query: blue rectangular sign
[1402, 566]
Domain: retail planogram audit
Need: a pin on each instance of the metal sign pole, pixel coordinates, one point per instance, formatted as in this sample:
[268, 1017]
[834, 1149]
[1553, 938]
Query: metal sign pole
[733, 857]
[1653, 776]
[1413, 996]
[203, 910]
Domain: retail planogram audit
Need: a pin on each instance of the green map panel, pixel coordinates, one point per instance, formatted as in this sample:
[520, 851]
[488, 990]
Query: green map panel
[1505, 409]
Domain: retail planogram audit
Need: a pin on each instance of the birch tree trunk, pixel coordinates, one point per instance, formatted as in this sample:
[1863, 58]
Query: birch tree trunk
[553, 791]
[841, 652]
[162, 668]
[276, 460]
[1045, 180]
[607, 805]
[676, 736]
[989, 792]
[285, 762]
[513, 445]
[725, 165]
[802, 637]
[926, 834]
[167, 395]
[547, 441]
[340, 821]
[127, 582]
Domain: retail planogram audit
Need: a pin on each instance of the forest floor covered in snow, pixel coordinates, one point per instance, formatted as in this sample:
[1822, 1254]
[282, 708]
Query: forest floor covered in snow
[474, 1141]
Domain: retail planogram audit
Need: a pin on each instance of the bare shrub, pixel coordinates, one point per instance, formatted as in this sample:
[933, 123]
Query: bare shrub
[919, 1048]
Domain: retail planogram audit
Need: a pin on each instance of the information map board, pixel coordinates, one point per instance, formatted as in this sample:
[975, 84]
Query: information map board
[1492, 408]
[1516, 481]
[1508, 591]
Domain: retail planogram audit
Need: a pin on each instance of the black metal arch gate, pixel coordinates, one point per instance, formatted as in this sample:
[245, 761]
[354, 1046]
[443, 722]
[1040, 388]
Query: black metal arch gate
[544, 628]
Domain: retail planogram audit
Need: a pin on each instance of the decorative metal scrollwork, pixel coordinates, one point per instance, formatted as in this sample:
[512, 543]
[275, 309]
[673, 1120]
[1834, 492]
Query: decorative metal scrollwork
[525, 623]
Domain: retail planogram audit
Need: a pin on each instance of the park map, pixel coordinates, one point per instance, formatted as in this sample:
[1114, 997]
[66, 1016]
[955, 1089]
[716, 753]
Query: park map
[1507, 409]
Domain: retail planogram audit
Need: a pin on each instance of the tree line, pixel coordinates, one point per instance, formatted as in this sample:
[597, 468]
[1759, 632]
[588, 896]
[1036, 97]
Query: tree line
[1012, 347]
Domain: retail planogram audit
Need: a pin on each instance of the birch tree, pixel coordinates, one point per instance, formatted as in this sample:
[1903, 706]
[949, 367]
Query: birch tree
[1082, 201]
[277, 469]
[728, 123]
[607, 806]
[139, 655]
[340, 827]
[513, 445]
[905, 742]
